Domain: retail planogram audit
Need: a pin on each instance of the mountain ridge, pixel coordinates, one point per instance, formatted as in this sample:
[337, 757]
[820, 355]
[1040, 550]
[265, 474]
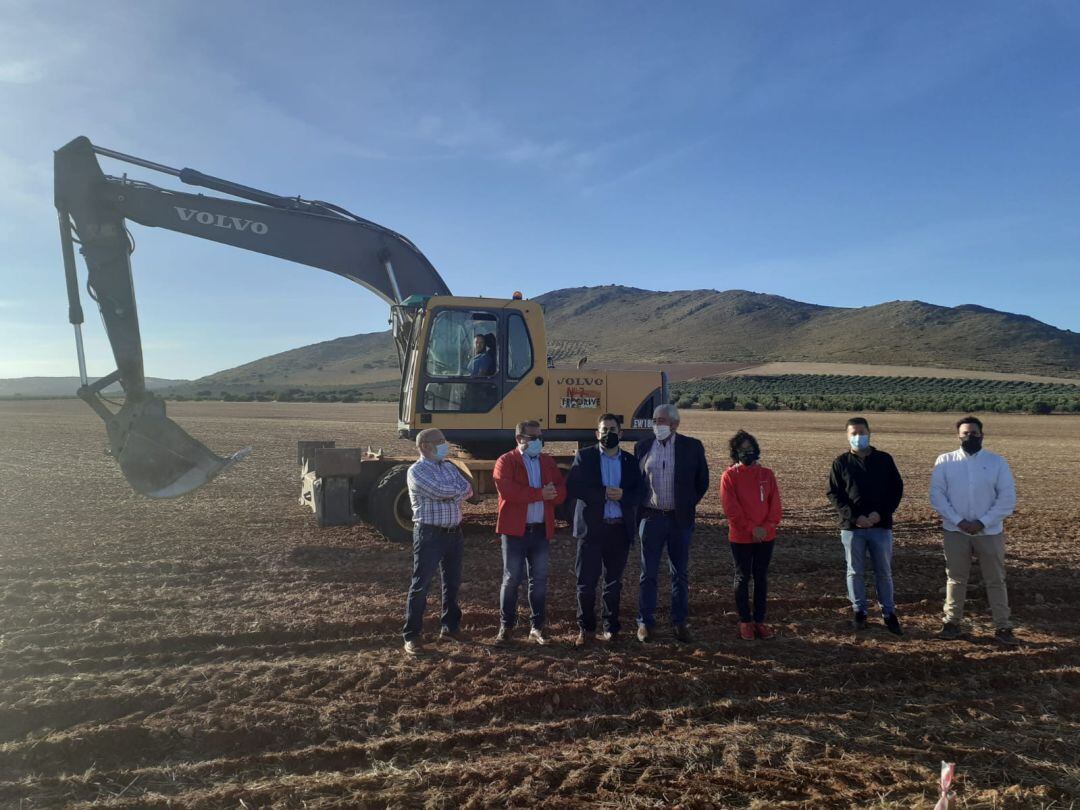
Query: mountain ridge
[709, 326]
[732, 326]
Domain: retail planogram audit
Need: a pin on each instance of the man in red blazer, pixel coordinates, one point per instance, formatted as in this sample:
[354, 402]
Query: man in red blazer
[530, 486]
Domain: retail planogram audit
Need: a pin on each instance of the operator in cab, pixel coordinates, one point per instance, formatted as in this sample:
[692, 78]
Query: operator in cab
[483, 361]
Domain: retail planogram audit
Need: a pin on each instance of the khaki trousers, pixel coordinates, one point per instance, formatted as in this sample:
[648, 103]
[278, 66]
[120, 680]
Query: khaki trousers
[990, 549]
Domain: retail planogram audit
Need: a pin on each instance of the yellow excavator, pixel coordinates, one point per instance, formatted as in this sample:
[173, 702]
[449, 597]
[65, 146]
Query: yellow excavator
[472, 367]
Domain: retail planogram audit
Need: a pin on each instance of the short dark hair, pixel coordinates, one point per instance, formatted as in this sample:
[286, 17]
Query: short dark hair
[738, 440]
[969, 420]
[528, 423]
[858, 420]
[609, 416]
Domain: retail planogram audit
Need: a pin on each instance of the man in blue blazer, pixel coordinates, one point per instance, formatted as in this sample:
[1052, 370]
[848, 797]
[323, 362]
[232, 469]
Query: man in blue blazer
[607, 483]
[675, 477]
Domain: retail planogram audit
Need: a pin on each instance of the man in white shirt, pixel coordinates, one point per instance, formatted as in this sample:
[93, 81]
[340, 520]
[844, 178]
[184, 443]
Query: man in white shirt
[973, 491]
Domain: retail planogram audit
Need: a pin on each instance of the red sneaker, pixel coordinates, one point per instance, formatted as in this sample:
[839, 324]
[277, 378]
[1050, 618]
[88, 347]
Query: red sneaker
[746, 631]
[764, 631]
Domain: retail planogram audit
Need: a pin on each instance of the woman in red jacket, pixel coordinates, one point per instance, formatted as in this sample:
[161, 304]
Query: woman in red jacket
[752, 505]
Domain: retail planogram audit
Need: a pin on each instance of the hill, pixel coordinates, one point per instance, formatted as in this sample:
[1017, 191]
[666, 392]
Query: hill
[734, 327]
[745, 327]
[357, 360]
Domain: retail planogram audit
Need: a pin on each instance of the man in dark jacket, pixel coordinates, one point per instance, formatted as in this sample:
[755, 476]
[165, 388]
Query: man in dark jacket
[607, 482]
[675, 478]
[866, 488]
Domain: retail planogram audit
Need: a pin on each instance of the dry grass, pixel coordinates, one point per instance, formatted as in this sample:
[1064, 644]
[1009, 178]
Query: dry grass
[221, 651]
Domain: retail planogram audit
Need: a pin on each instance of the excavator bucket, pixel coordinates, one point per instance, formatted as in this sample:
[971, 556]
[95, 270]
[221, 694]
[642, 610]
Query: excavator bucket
[158, 457]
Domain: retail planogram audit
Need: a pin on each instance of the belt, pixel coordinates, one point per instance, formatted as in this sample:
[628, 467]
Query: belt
[443, 529]
[651, 511]
[613, 521]
[532, 527]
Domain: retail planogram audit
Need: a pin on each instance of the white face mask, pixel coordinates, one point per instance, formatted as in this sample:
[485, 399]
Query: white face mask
[662, 431]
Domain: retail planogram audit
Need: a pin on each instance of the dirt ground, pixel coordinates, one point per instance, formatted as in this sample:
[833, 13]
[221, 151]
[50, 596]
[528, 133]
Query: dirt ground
[222, 651]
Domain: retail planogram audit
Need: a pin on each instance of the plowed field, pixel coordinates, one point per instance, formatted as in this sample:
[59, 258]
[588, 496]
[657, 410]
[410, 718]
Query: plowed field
[222, 651]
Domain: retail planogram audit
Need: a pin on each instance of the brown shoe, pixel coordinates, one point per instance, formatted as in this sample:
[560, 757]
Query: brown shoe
[413, 648]
[746, 631]
[537, 635]
[644, 634]
[503, 636]
[763, 631]
[682, 633]
[583, 639]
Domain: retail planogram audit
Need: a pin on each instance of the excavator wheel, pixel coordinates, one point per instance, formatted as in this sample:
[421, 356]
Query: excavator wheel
[389, 508]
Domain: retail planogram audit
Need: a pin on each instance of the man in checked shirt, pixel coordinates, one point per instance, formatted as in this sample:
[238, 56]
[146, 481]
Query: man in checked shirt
[436, 489]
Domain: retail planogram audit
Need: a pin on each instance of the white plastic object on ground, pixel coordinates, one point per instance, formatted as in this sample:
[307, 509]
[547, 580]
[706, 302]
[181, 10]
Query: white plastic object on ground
[947, 771]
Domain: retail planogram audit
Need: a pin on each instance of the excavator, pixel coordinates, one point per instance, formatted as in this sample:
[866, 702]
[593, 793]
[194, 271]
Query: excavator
[472, 367]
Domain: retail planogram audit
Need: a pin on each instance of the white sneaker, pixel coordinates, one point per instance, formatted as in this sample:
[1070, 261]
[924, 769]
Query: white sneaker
[537, 635]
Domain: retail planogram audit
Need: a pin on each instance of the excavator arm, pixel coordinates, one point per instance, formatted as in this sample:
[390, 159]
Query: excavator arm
[158, 457]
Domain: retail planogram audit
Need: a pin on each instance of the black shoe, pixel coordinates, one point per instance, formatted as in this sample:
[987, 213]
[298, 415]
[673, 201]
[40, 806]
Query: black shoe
[893, 625]
[503, 636]
[950, 631]
[682, 633]
[859, 622]
[1004, 636]
[446, 634]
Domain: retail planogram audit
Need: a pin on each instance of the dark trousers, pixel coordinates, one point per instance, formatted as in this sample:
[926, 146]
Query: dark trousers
[523, 556]
[659, 531]
[434, 548]
[751, 561]
[605, 551]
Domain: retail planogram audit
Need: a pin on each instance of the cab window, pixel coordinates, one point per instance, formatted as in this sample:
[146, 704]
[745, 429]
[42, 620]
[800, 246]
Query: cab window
[463, 343]
[519, 348]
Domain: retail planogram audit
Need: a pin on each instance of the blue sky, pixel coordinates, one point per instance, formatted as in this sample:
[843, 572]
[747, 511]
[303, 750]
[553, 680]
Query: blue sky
[839, 153]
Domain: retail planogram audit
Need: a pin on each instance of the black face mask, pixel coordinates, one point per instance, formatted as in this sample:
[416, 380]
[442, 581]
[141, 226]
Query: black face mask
[972, 444]
[609, 439]
[748, 457]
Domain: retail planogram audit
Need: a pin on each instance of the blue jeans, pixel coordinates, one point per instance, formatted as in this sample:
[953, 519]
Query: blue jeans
[434, 549]
[605, 552]
[878, 543]
[657, 533]
[521, 556]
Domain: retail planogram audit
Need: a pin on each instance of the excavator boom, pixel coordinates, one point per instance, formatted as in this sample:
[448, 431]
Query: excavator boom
[157, 456]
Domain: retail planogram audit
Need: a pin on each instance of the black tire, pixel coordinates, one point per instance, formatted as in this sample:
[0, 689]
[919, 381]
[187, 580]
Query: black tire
[389, 508]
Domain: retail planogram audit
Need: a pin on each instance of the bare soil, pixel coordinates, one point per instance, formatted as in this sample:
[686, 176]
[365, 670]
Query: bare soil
[222, 651]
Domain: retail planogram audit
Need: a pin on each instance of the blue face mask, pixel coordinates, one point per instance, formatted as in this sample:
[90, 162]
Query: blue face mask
[859, 442]
[534, 447]
[442, 450]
